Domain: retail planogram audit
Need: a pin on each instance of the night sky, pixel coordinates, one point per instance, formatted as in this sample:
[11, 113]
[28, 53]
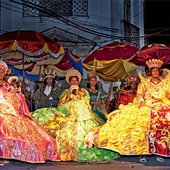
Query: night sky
[157, 18]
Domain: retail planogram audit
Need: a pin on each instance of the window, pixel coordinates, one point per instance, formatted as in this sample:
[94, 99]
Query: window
[61, 7]
[127, 10]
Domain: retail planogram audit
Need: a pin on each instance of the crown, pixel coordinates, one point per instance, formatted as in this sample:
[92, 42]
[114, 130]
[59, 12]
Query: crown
[132, 79]
[50, 71]
[91, 74]
[154, 63]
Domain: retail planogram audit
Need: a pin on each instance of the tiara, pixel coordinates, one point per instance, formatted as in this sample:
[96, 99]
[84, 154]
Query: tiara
[154, 63]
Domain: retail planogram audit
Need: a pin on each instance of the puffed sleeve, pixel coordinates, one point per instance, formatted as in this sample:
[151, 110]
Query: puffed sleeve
[141, 92]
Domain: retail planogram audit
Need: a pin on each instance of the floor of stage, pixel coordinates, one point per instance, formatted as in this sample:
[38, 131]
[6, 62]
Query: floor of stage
[124, 162]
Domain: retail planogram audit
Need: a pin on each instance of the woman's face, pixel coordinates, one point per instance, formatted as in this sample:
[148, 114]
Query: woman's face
[155, 73]
[93, 81]
[2, 74]
[74, 81]
[133, 85]
[49, 81]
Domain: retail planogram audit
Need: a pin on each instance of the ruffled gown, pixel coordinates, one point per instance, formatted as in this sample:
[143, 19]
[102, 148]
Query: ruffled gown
[134, 130]
[21, 138]
[73, 120]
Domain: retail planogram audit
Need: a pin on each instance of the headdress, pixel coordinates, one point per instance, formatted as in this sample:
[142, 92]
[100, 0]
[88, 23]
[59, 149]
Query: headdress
[132, 79]
[73, 73]
[154, 63]
[91, 74]
[3, 66]
[50, 71]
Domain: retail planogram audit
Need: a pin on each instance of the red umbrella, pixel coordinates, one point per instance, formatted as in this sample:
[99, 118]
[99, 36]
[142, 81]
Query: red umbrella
[152, 51]
[25, 49]
[111, 61]
[29, 43]
[115, 50]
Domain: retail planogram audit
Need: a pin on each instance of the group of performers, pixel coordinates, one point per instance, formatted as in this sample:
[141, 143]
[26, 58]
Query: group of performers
[75, 124]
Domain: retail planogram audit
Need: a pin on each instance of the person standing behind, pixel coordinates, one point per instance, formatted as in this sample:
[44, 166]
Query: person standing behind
[48, 94]
[127, 95]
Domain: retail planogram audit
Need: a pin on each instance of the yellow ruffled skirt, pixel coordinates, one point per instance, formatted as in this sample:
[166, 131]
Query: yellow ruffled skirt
[126, 130]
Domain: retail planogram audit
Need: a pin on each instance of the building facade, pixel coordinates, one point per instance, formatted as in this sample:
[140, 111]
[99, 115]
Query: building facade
[79, 25]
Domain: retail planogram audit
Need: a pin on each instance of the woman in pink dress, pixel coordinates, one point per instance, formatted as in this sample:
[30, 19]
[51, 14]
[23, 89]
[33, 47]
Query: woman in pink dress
[20, 136]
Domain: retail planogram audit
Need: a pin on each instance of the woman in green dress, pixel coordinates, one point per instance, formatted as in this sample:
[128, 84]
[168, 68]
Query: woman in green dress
[98, 97]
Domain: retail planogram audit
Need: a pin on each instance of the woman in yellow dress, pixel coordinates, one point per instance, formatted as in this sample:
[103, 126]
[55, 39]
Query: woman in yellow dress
[141, 127]
[74, 119]
[20, 136]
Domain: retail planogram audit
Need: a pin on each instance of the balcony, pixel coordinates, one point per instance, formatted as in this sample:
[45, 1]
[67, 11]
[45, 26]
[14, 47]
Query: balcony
[130, 33]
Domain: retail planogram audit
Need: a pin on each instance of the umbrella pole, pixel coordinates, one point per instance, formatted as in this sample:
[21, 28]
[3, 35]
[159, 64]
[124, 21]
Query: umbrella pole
[23, 73]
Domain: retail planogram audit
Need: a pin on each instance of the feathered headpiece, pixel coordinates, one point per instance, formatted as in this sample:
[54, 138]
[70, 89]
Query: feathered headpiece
[154, 63]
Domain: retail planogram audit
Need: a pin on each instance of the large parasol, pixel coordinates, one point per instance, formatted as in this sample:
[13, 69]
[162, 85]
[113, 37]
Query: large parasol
[111, 61]
[28, 48]
[152, 51]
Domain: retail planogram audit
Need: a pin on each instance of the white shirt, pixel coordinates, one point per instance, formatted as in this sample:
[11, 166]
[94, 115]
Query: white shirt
[47, 90]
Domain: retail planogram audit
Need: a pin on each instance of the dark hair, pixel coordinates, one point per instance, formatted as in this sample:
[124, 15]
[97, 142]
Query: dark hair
[88, 86]
[45, 82]
[149, 71]
[72, 77]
